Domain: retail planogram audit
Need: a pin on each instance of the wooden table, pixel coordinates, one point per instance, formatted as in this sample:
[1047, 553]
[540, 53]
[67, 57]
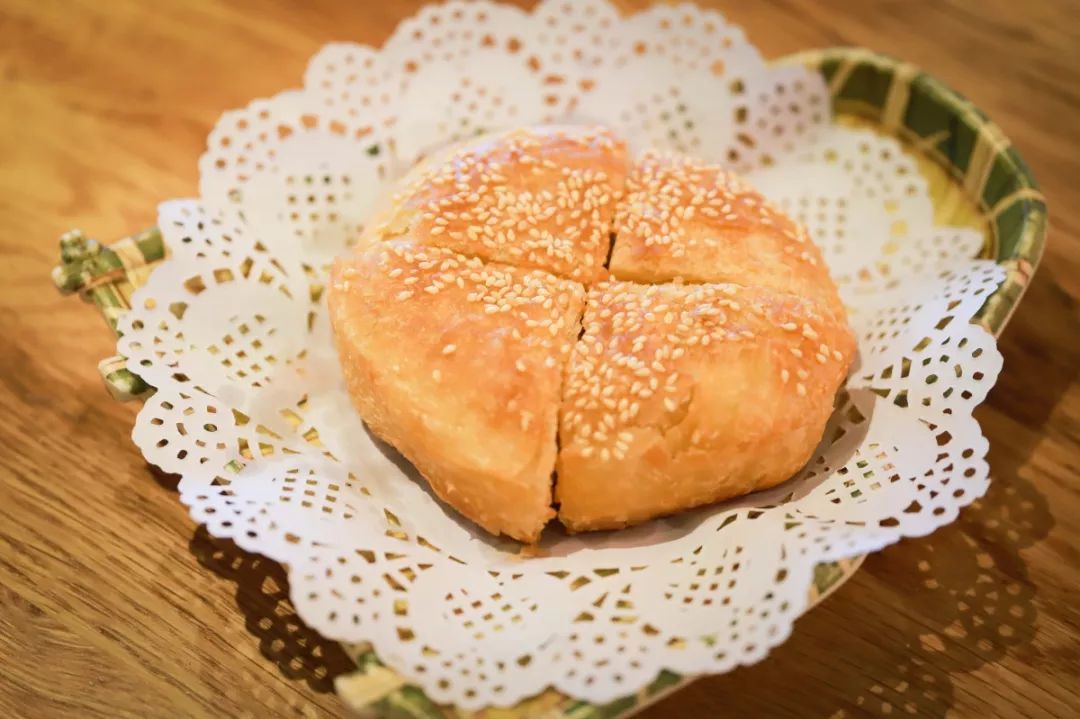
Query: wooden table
[114, 604]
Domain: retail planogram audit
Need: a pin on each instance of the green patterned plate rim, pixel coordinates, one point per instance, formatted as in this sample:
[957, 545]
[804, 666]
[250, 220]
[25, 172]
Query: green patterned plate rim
[893, 95]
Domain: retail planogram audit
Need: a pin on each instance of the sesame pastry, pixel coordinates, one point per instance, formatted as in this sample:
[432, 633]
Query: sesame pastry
[540, 198]
[481, 332]
[682, 395]
[682, 218]
[458, 363]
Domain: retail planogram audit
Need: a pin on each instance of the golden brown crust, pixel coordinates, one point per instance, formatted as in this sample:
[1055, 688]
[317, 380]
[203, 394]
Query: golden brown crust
[682, 395]
[458, 364]
[542, 198]
[675, 396]
[684, 219]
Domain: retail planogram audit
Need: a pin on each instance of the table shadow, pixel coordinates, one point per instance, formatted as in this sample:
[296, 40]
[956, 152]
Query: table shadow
[262, 596]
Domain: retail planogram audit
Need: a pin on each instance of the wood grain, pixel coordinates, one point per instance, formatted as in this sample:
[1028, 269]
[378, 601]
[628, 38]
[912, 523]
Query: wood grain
[113, 604]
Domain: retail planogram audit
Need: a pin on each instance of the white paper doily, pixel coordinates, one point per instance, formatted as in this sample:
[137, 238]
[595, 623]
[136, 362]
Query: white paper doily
[250, 408]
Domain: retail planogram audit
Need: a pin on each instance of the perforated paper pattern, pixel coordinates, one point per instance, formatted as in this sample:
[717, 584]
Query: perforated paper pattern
[251, 412]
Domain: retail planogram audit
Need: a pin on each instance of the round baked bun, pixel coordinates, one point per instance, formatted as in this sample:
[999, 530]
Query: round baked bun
[483, 334]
